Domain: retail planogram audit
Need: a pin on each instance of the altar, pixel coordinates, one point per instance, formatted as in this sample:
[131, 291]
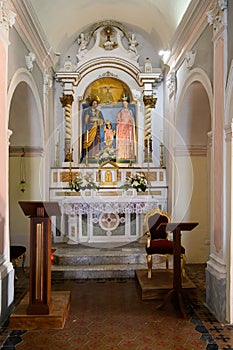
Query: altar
[109, 214]
[108, 128]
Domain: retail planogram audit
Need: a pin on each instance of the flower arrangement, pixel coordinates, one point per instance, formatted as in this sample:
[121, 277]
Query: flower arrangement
[107, 153]
[82, 183]
[137, 181]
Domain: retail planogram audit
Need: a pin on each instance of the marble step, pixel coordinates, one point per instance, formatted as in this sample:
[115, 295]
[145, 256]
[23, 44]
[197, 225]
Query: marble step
[101, 261]
[87, 256]
[96, 271]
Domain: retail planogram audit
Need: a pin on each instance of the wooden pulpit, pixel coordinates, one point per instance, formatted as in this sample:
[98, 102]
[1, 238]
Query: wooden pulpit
[39, 213]
[176, 292]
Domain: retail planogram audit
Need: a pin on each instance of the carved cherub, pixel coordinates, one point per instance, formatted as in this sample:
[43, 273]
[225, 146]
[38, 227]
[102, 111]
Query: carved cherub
[133, 43]
[82, 43]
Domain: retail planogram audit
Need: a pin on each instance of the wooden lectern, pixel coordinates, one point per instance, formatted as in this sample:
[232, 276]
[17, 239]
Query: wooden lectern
[40, 301]
[176, 292]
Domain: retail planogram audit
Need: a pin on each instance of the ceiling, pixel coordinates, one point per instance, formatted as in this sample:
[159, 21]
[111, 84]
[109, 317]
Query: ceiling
[63, 20]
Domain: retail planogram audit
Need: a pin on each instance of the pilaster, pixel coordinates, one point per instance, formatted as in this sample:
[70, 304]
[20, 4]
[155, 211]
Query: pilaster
[216, 272]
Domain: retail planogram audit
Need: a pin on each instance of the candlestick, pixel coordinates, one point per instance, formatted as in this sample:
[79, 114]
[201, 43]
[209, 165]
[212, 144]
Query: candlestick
[70, 174]
[148, 164]
[57, 155]
[161, 155]
[148, 149]
[87, 148]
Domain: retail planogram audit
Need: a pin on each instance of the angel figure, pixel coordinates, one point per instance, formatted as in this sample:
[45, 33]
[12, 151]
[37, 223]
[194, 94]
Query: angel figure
[132, 44]
[82, 43]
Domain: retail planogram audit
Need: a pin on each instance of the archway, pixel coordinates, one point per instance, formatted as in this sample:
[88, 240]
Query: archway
[26, 150]
[193, 122]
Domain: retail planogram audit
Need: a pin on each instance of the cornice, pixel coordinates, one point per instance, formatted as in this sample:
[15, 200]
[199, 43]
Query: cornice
[190, 150]
[189, 30]
[31, 32]
[28, 151]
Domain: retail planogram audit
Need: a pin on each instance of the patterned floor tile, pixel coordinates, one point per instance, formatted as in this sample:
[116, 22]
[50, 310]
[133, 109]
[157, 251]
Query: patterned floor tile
[110, 315]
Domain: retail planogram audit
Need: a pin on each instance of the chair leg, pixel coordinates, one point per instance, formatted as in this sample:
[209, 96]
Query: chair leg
[167, 261]
[183, 256]
[23, 261]
[15, 263]
[149, 265]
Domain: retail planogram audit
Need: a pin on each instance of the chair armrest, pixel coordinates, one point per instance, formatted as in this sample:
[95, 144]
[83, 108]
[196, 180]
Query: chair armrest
[148, 239]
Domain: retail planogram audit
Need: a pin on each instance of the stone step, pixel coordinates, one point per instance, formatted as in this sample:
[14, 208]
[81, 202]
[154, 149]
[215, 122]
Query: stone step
[74, 257]
[96, 271]
[87, 262]
[100, 261]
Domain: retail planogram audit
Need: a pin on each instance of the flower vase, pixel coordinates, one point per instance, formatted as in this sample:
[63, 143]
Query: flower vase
[131, 192]
[87, 192]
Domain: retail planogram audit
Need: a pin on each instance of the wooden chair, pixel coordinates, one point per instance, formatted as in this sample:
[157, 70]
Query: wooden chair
[17, 252]
[157, 239]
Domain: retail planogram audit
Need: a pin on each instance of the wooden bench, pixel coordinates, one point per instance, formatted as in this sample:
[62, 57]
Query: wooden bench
[17, 252]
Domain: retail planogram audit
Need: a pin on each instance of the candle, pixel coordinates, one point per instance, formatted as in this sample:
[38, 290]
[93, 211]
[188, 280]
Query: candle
[148, 148]
[161, 136]
[57, 136]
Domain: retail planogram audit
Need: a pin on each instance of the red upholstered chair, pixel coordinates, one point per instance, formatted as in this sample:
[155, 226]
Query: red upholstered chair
[157, 239]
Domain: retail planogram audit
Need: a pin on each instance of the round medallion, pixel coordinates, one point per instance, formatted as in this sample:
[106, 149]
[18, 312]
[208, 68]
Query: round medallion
[109, 221]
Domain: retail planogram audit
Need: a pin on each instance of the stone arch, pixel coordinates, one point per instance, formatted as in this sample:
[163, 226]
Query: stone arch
[25, 119]
[196, 75]
[193, 121]
[109, 64]
[23, 79]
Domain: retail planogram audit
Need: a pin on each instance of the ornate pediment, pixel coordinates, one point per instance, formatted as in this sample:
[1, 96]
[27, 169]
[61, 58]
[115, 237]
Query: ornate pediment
[108, 164]
[108, 173]
[108, 36]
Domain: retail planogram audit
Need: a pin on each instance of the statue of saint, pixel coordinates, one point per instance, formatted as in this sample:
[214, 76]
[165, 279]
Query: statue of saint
[125, 133]
[93, 129]
[109, 134]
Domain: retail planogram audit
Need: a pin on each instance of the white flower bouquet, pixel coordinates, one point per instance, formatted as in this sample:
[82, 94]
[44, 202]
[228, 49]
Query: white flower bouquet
[107, 153]
[137, 181]
[82, 183]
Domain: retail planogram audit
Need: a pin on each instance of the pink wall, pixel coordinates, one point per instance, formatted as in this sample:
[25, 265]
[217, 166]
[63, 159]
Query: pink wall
[218, 142]
[3, 148]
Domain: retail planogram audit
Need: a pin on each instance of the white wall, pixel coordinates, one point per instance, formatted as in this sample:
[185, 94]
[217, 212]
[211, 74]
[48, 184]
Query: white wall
[19, 223]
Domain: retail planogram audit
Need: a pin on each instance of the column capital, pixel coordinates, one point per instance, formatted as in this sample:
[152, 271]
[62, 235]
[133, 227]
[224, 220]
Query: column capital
[149, 101]
[171, 82]
[7, 16]
[66, 100]
[216, 14]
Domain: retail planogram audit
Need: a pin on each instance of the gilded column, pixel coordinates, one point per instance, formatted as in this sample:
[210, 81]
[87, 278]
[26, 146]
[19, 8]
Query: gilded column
[66, 101]
[149, 102]
[67, 78]
[148, 80]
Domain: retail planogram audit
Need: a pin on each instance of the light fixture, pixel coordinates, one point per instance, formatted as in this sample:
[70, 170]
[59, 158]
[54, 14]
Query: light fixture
[22, 183]
[164, 55]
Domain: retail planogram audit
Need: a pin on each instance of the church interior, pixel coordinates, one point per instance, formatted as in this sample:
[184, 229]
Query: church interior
[116, 146]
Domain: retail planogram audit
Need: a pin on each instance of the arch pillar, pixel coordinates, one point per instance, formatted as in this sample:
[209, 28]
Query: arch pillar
[6, 268]
[216, 271]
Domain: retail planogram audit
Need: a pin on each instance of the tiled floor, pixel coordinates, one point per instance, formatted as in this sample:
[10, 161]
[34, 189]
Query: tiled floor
[110, 315]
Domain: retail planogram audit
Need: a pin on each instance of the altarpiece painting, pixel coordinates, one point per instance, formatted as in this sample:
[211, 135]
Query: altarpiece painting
[108, 122]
